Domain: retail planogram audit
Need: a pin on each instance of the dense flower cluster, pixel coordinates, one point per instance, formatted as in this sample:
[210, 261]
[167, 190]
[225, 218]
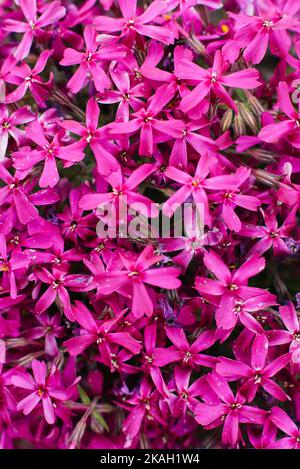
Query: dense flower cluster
[149, 341]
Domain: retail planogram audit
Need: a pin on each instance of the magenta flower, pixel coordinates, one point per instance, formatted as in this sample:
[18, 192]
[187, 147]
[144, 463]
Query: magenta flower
[76, 226]
[233, 198]
[286, 128]
[100, 334]
[186, 394]
[59, 282]
[254, 33]
[188, 355]
[230, 286]
[149, 240]
[123, 192]
[33, 26]
[50, 328]
[47, 152]
[200, 143]
[135, 273]
[150, 359]
[127, 96]
[13, 267]
[91, 61]
[196, 186]
[285, 424]
[142, 405]
[214, 79]
[230, 412]
[16, 193]
[258, 374]
[30, 79]
[146, 120]
[8, 126]
[290, 319]
[131, 23]
[41, 390]
[270, 235]
[150, 70]
[93, 136]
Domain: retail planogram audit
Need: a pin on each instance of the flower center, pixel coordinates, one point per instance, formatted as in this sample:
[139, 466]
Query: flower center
[134, 274]
[257, 378]
[56, 284]
[148, 119]
[4, 267]
[224, 28]
[6, 125]
[89, 136]
[32, 25]
[268, 24]
[187, 357]
[213, 77]
[73, 226]
[130, 24]
[149, 359]
[235, 405]
[89, 57]
[100, 247]
[232, 287]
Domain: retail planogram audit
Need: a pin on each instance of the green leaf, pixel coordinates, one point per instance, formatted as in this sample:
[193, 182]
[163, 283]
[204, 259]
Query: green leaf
[83, 395]
[100, 420]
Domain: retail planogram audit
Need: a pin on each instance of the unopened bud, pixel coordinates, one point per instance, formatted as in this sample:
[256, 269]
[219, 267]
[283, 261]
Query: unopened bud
[248, 117]
[239, 126]
[227, 120]
[265, 177]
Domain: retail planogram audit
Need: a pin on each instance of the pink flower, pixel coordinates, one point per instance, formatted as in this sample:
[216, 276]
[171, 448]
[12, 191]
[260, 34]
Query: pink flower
[196, 186]
[137, 272]
[98, 333]
[258, 374]
[50, 328]
[123, 192]
[230, 412]
[286, 128]
[270, 235]
[93, 136]
[127, 96]
[17, 195]
[229, 286]
[254, 33]
[286, 425]
[290, 319]
[90, 61]
[13, 267]
[214, 79]
[31, 80]
[234, 198]
[131, 23]
[47, 152]
[33, 26]
[8, 126]
[59, 282]
[41, 389]
[146, 120]
[188, 355]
